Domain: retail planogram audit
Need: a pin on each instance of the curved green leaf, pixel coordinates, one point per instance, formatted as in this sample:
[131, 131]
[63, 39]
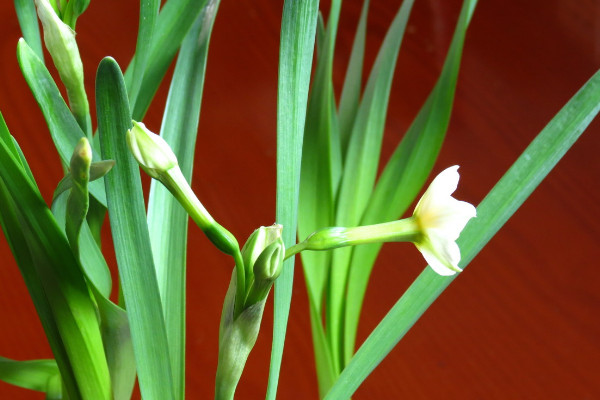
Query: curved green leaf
[30, 374]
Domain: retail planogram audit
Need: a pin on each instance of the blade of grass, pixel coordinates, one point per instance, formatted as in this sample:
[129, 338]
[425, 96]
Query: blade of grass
[499, 205]
[350, 97]
[174, 22]
[298, 29]
[30, 374]
[360, 170]
[147, 24]
[405, 173]
[321, 163]
[130, 235]
[319, 177]
[63, 127]
[167, 220]
[28, 21]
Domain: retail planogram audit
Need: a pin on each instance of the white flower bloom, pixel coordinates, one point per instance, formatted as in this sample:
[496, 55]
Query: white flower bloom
[441, 218]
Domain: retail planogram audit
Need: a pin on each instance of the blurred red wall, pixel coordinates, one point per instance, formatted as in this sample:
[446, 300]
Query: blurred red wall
[520, 322]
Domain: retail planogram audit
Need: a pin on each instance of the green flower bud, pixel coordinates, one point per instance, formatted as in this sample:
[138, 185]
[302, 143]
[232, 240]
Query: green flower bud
[81, 161]
[151, 151]
[73, 10]
[237, 336]
[62, 46]
[266, 269]
[157, 159]
[78, 201]
[97, 170]
[254, 246]
[262, 257]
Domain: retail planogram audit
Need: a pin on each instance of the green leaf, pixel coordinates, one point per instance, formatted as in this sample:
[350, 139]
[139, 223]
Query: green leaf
[28, 21]
[55, 282]
[360, 169]
[8, 140]
[499, 205]
[174, 22]
[30, 374]
[130, 235]
[63, 127]
[405, 174]
[119, 348]
[350, 97]
[319, 178]
[167, 220]
[321, 163]
[298, 29]
[147, 23]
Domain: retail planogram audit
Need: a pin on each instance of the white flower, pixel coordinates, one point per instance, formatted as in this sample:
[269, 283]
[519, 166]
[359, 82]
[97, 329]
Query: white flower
[441, 218]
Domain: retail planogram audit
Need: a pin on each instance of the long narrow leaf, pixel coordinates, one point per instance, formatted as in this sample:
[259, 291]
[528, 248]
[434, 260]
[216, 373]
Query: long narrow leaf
[499, 205]
[405, 174]
[63, 127]
[350, 97]
[167, 220]
[28, 21]
[298, 28]
[319, 178]
[130, 235]
[321, 162]
[174, 21]
[360, 168]
[147, 24]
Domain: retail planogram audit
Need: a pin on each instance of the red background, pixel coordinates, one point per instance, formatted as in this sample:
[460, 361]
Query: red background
[520, 322]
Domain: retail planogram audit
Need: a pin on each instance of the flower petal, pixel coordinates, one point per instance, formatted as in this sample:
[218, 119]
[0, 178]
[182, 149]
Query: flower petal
[441, 254]
[449, 218]
[442, 186]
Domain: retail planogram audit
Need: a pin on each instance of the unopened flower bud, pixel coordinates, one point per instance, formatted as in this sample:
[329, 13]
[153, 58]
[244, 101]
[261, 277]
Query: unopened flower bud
[62, 46]
[157, 159]
[150, 150]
